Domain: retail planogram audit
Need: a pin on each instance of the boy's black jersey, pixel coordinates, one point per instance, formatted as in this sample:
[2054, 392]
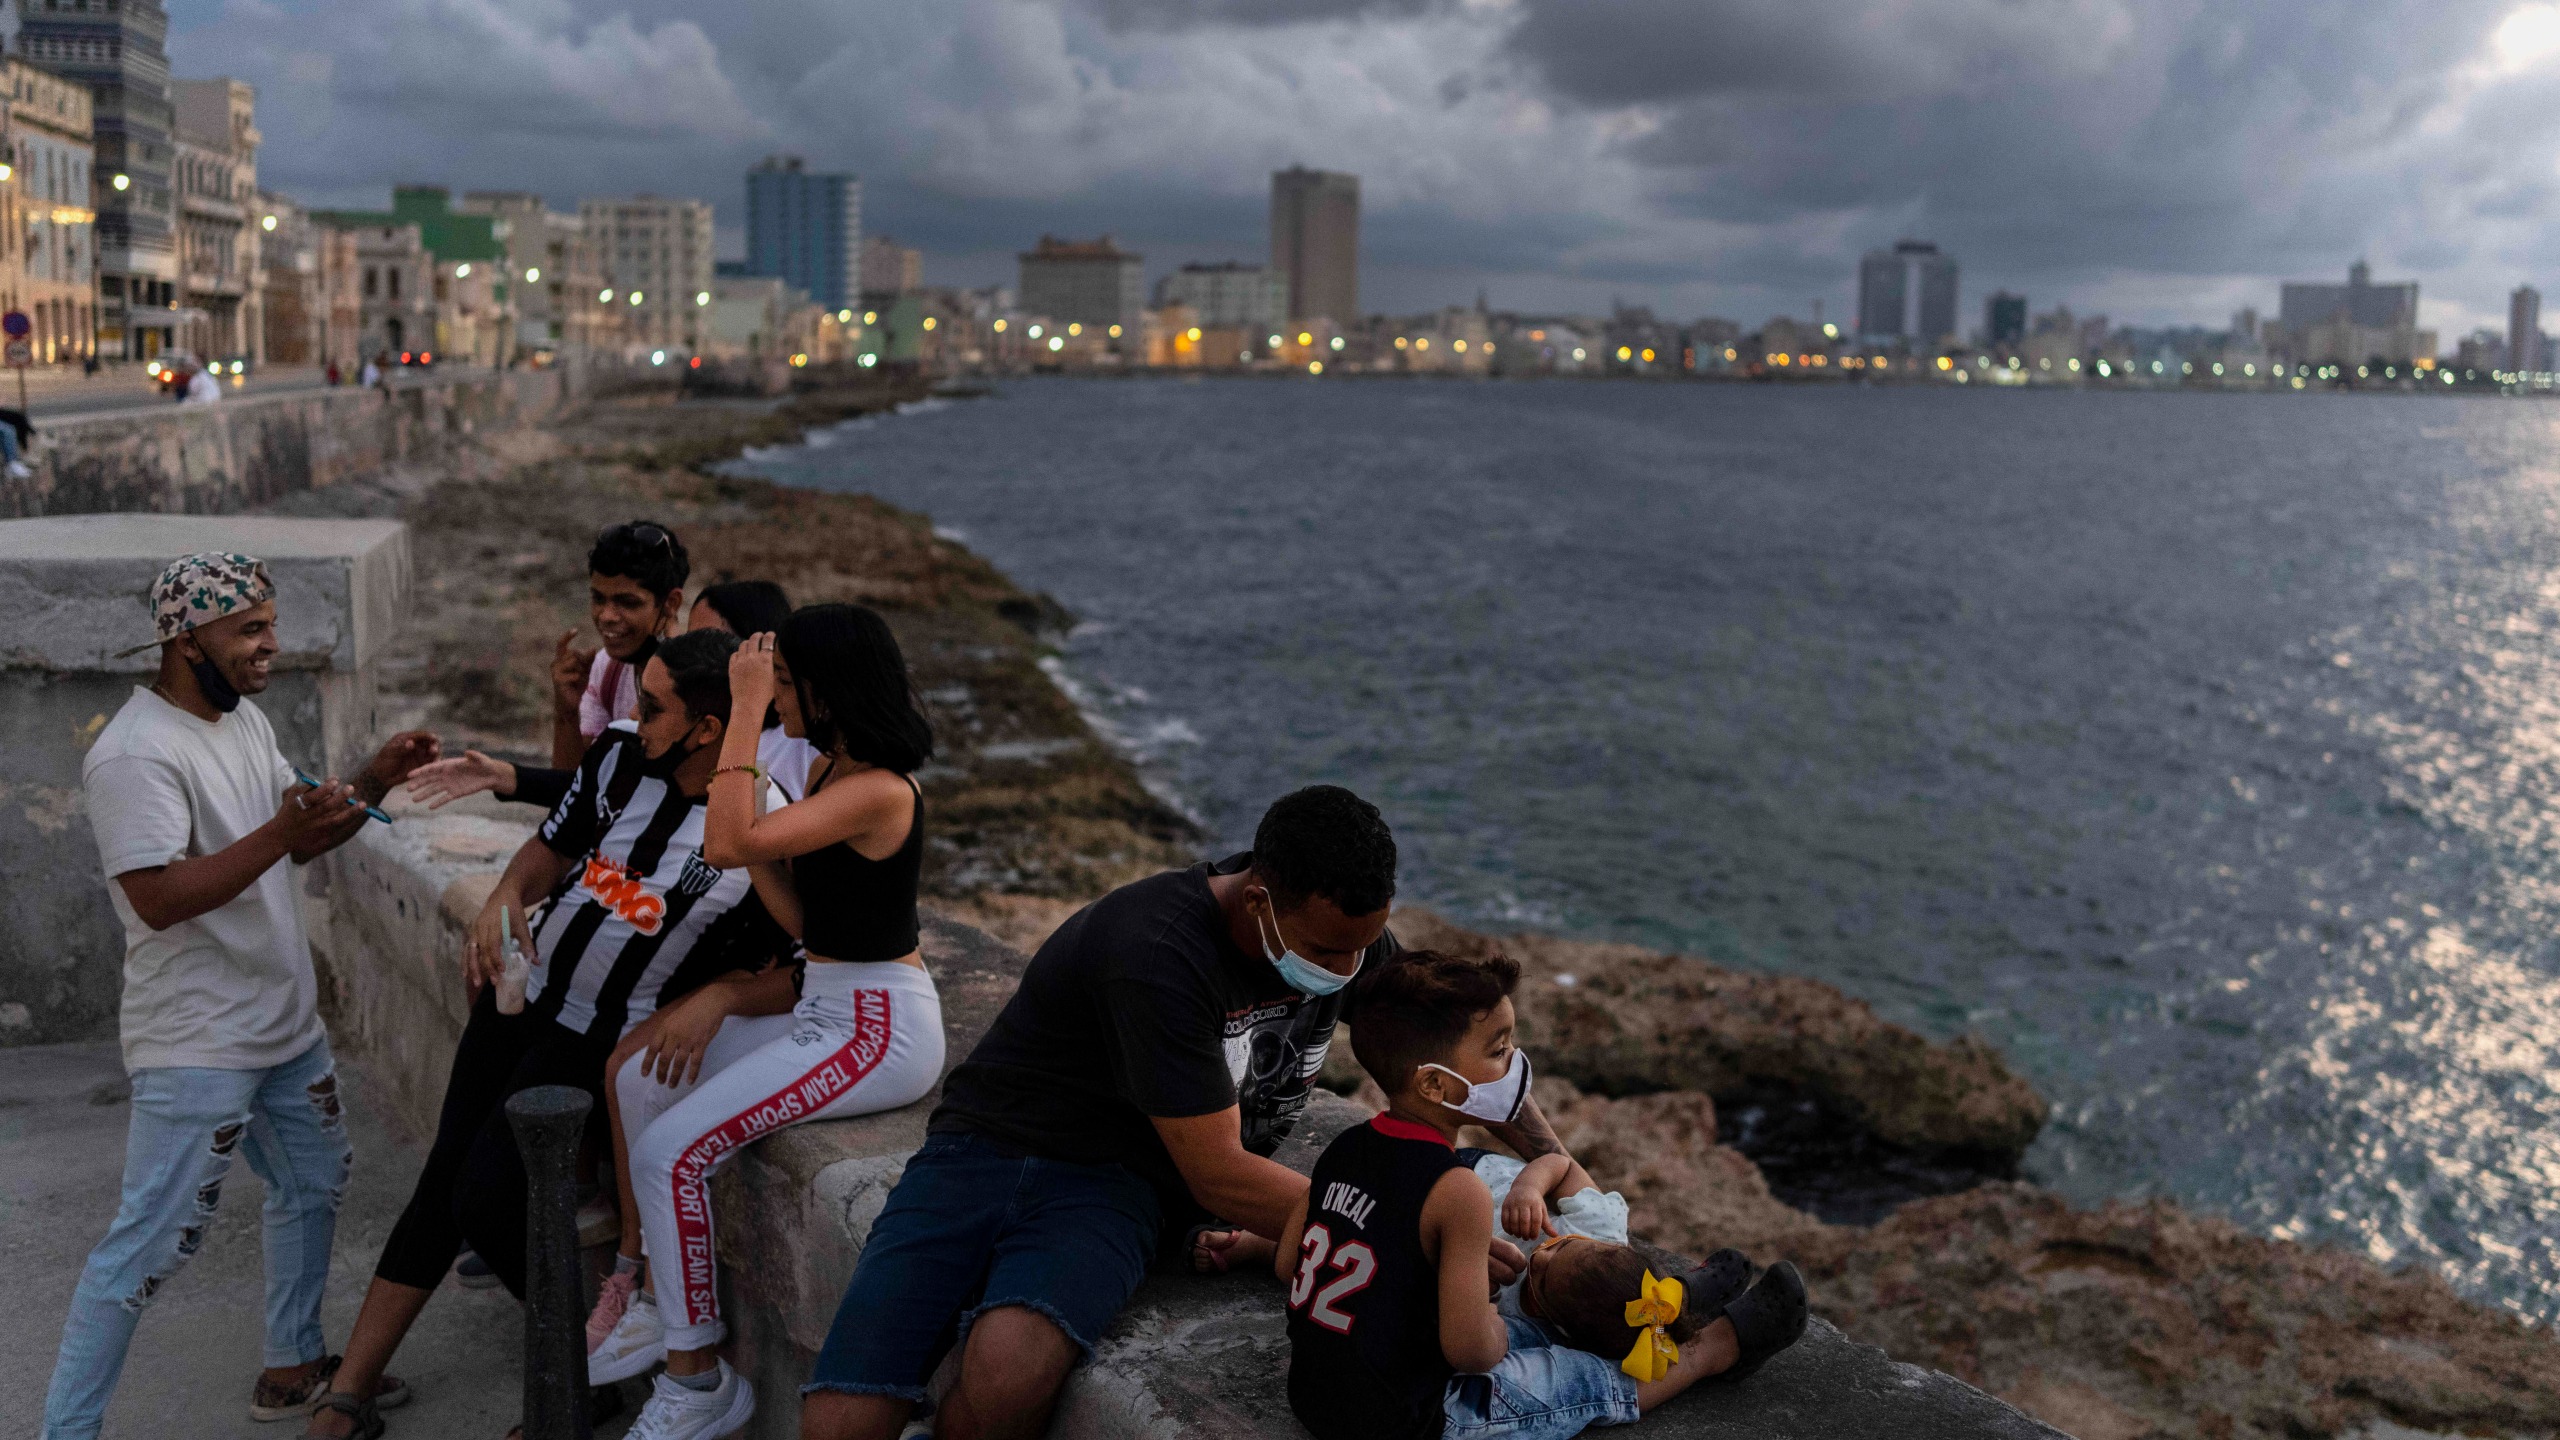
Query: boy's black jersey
[1364, 1306]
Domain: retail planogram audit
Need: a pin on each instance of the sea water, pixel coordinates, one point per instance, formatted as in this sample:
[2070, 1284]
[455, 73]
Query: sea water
[2200, 751]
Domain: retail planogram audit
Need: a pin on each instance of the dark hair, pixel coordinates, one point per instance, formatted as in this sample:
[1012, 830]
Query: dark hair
[853, 686]
[1417, 1007]
[752, 607]
[1326, 841]
[643, 552]
[698, 665]
[1587, 1305]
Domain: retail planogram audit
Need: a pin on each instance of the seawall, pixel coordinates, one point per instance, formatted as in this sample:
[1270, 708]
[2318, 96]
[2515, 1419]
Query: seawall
[252, 450]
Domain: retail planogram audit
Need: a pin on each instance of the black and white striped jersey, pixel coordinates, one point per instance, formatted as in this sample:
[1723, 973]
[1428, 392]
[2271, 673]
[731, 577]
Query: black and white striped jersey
[638, 902]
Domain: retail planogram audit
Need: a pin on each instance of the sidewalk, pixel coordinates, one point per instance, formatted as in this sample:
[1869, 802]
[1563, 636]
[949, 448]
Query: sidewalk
[62, 1125]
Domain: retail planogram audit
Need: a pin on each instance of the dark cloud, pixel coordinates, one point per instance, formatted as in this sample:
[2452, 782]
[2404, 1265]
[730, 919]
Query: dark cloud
[1700, 154]
[1199, 14]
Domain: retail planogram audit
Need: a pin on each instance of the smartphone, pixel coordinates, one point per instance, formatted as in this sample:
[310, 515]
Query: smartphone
[368, 809]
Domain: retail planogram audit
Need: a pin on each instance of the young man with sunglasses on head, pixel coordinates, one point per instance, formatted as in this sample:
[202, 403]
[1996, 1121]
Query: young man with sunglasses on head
[636, 573]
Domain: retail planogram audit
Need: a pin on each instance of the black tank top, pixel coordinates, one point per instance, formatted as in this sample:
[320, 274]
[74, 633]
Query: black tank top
[1364, 1305]
[855, 908]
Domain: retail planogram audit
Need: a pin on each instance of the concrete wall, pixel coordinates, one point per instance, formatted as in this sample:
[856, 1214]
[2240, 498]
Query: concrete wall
[245, 452]
[74, 587]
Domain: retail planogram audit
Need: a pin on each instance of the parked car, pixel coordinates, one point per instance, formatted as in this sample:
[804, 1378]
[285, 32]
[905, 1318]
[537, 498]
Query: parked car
[171, 369]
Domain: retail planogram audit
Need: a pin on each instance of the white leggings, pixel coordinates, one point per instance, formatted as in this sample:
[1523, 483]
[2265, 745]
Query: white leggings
[864, 1038]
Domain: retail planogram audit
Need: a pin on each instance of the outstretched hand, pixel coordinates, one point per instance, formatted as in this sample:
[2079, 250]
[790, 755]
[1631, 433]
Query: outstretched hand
[442, 782]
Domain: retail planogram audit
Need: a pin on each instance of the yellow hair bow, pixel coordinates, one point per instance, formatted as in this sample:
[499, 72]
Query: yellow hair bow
[1656, 1352]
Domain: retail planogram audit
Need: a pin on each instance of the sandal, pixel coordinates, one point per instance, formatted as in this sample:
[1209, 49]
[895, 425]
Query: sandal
[367, 1420]
[269, 1401]
[1215, 1262]
[1714, 1285]
[1768, 1318]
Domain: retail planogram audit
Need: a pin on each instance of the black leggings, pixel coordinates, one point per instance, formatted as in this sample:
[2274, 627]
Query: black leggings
[473, 1186]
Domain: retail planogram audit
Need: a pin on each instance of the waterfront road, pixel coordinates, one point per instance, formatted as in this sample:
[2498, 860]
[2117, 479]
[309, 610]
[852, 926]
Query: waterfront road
[62, 1125]
[60, 392]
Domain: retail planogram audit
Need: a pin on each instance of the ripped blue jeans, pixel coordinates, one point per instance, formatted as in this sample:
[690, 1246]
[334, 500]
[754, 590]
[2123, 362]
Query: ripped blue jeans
[186, 1127]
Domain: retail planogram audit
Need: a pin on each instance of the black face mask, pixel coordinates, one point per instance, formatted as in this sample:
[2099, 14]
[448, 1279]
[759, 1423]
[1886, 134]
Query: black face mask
[663, 766]
[217, 690]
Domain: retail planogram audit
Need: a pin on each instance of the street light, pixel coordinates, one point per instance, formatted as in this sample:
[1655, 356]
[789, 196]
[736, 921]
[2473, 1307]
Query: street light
[462, 272]
[604, 297]
[124, 182]
[635, 297]
[269, 223]
[872, 317]
[532, 273]
[701, 297]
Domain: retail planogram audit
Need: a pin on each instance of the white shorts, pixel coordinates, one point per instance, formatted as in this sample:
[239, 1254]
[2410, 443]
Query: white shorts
[864, 1038]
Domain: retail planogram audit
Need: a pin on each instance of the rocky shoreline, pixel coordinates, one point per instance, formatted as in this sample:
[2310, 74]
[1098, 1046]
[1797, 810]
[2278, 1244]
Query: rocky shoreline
[1767, 1112]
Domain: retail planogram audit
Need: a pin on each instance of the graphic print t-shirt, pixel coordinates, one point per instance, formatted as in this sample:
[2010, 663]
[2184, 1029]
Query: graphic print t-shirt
[1141, 1006]
[639, 899]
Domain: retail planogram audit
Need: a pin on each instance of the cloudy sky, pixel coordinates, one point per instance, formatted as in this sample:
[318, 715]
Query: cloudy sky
[2163, 161]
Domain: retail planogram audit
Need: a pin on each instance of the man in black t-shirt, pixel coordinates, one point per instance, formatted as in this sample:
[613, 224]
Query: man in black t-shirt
[1161, 1045]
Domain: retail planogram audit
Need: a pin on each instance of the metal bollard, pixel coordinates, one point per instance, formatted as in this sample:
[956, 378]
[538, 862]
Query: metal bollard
[547, 1120]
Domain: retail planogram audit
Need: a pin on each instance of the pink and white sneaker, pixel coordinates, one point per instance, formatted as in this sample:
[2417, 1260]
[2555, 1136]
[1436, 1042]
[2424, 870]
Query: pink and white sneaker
[625, 1336]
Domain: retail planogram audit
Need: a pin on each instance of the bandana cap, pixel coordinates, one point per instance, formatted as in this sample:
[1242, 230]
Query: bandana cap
[201, 588]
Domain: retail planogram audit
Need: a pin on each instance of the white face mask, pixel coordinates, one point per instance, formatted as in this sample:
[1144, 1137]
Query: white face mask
[1495, 1102]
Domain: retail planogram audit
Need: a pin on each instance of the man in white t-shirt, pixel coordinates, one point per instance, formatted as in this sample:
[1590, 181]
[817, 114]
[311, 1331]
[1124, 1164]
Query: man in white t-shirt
[193, 808]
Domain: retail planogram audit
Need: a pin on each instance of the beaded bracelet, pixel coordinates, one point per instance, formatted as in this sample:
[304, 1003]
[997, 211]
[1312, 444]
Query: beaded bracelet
[755, 770]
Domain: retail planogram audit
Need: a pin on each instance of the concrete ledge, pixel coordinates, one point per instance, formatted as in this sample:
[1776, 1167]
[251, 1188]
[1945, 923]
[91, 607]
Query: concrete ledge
[79, 584]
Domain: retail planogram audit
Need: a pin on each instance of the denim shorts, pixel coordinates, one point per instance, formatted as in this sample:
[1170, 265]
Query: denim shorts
[1542, 1390]
[972, 1228]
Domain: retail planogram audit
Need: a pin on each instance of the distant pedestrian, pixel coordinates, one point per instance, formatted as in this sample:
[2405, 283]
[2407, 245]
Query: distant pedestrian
[202, 389]
[335, 378]
[89, 364]
[193, 808]
[17, 436]
[370, 376]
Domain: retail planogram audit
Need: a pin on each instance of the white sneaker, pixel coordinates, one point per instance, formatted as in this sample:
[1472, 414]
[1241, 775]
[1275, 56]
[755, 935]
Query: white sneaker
[20, 470]
[676, 1413]
[638, 1341]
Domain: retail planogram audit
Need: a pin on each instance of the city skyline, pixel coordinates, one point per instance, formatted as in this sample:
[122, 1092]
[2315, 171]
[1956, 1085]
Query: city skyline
[1733, 158]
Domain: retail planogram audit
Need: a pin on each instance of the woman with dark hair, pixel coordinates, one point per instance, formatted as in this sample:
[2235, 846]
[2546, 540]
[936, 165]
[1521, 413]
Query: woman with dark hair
[758, 607]
[838, 869]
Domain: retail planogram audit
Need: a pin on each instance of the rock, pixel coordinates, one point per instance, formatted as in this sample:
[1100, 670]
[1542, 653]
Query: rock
[2149, 1321]
[1624, 1020]
[1684, 1191]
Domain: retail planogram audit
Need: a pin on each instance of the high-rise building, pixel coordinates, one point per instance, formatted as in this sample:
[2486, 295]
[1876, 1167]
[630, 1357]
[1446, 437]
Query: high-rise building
[49, 144]
[657, 263]
[2524, 329]
[890, 269]
[118, 52]
[2358, 302]
[2358, 323]
[1315, 242]
[1907, 294]
[216, 177]
[805, 228]
[2004, 318]
[1253, 298]
[1089, 282]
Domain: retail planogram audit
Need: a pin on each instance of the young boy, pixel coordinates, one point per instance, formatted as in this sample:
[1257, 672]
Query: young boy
[1392, 1335]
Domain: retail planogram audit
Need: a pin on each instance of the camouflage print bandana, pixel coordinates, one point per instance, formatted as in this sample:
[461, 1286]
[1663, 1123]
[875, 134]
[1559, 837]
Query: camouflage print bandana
[201, 588]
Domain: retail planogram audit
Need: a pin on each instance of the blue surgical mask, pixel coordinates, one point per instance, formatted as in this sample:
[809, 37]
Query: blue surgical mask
[1303, 975]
